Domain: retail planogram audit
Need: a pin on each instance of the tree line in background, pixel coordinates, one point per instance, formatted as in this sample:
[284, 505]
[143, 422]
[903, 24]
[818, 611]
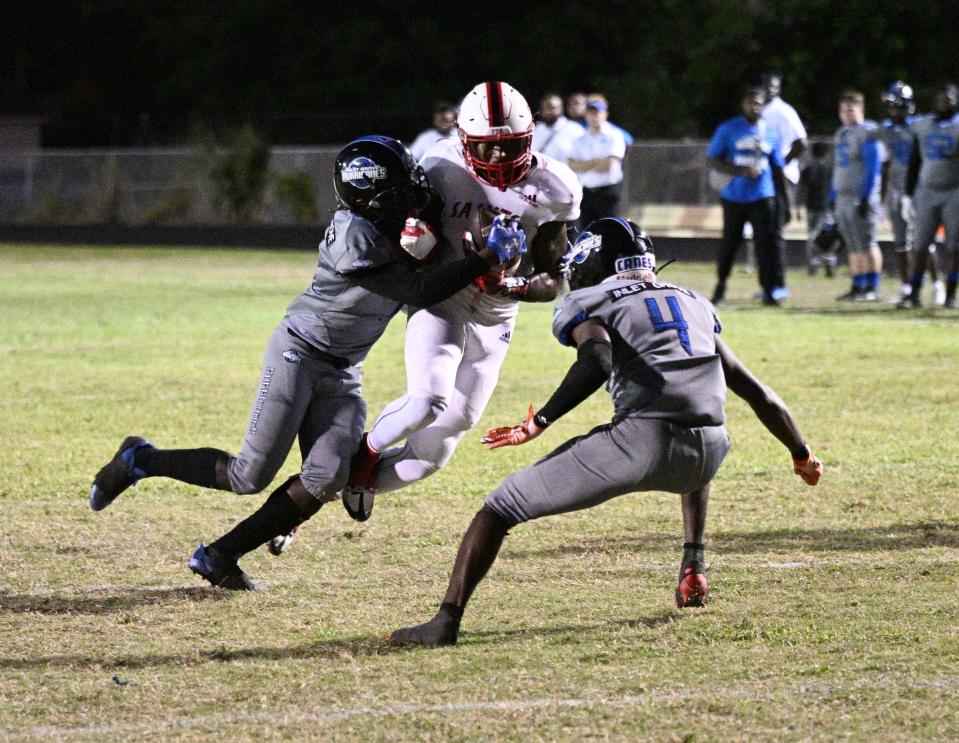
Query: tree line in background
[121, 72]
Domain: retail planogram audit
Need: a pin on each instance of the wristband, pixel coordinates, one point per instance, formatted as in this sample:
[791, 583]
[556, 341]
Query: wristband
[540, 421]
[801, 454]
[513, 286]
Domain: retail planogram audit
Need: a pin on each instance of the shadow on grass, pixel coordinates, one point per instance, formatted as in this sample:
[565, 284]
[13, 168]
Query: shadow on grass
[103, 602]
[651, 622]
[882, 538]
[321, 650]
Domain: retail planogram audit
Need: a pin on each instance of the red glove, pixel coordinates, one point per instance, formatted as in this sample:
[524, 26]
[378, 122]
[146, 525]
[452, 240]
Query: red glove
[809, 469]
[513, 435]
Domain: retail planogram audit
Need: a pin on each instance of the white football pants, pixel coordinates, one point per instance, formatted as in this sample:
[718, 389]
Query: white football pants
[452, 366]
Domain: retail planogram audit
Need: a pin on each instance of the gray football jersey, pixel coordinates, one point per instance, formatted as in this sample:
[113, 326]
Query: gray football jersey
[938, 148]
[849, 168]
[897, 139]
[335, 314]
[665, 363]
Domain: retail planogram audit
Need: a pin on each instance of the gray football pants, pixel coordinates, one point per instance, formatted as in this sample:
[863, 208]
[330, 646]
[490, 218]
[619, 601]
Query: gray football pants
[300, 396]
[630, 454]
[859, 232]
[901, 229]
[935, 207]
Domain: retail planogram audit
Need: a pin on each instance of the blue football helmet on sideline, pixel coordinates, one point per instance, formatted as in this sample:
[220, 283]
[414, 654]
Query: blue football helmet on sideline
[900, 94]
[377, 178]
[606, 247]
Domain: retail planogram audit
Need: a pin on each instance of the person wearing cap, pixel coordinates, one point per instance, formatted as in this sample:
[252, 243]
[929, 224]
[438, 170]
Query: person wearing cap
[597, 160]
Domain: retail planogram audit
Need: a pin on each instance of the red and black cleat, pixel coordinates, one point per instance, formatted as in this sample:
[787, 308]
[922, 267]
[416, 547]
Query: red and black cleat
[693, 588]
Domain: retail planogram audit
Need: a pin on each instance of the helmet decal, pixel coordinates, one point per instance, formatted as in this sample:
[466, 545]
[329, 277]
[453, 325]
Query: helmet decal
[494, 101]
[362, 171]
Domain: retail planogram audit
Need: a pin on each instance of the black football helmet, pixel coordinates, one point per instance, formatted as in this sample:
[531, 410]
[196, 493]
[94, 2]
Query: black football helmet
[377, 178]
[900, 94]
[608, 246]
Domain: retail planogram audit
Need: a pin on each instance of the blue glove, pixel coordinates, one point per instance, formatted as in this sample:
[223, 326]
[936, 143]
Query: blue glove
[506, 239]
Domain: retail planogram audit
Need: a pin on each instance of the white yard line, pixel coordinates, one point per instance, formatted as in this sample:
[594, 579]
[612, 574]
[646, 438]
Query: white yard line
[752, 691]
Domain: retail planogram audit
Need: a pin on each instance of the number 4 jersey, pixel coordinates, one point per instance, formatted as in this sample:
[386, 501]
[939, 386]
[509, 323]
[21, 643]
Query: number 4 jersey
[665, 363]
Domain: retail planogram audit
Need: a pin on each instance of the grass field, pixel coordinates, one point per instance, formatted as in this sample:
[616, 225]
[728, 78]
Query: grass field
[834, 609]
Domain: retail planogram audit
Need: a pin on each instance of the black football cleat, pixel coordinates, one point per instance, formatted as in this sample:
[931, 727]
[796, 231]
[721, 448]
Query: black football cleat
[220, 571]
[118, 474]
[693, 588]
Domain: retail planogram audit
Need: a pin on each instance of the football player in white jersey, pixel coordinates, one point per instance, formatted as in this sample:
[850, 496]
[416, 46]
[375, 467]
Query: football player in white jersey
[454, 350]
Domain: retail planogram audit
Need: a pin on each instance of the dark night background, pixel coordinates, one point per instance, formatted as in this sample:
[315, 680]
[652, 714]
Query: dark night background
[147, 72]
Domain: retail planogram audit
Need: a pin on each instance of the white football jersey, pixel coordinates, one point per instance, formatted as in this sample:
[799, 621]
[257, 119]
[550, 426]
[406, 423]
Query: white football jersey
[549, 192]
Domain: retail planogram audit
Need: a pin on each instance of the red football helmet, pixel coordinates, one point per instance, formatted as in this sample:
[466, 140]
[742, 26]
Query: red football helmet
[496, 128]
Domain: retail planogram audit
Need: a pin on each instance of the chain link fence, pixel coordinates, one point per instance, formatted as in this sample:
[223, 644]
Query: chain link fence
[174, 186]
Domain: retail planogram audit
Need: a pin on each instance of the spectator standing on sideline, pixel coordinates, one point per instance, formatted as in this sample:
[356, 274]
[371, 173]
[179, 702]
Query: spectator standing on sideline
[627, 137]
[855, 190]
[554, 133]
[747, 149]
[782, 118]
[814, 181]
[444, 127]
[597, 160]
[576, 108]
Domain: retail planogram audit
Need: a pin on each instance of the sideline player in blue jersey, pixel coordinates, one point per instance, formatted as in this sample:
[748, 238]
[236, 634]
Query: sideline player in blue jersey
[855, 191]
[747, 149]
[932, 184]
[896, 136]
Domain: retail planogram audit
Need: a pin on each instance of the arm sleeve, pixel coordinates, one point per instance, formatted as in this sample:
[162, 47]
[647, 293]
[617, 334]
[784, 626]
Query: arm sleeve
[869, 151]
[915, 161]
[594, 362]
[402, 283]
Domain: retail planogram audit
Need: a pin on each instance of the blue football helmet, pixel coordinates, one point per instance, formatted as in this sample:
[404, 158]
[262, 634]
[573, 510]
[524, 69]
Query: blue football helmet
[900, 94]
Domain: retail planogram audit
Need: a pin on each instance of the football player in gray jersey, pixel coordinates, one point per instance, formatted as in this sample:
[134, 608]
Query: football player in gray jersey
[932, 185]
[855, 190]
[310, 388]
[658, 347]
[897, 138]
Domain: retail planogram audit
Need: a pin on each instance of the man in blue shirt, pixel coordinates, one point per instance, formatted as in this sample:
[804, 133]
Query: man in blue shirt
[747, 151]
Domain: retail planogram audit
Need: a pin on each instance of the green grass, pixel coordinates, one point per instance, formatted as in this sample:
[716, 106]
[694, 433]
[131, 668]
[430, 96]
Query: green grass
[834, 610]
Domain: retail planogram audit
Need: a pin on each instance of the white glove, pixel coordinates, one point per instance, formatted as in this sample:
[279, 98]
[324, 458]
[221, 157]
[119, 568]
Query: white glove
[906, 208]
[418, 239]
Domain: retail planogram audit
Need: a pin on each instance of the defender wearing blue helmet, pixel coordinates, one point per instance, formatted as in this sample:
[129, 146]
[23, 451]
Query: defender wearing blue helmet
[310, 388]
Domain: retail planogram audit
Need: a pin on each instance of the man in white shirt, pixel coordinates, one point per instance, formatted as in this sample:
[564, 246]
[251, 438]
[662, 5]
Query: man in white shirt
[783, 119]
[597, 160]
[554, 133]
[444, 127]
